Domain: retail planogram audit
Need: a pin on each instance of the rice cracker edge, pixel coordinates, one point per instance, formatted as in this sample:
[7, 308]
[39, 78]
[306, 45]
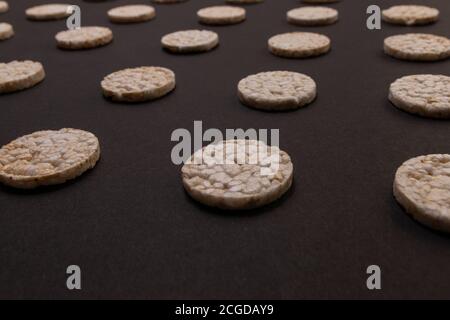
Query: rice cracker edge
[421, 188]
[20, 75]
[237, 186]
[48, 158]
[138, 84]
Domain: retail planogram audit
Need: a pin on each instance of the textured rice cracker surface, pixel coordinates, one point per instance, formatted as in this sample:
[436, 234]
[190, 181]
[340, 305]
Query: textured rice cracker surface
[422, 187]
[277, 90]
[3, 6]
[138, 84]
[427, 95]
[190, 41]
[237, 174]
[19, 75]
[418, 47]
[84, 38]
[221, 15]
[131, 13]
[6, 31]
[299, 44]
[48, 12]
[312, 16]
[410, 15]
[48, 158]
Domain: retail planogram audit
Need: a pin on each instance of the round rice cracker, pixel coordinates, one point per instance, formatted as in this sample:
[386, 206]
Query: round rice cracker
[426, 95]
[410, 15]
[6, 31]
[84, 38]
[299, 44]
[277, 90]
[237, 174]
[417, 47]
[48, 158]
[3, 6]
[20, 75]
[45, 12]
[221, 15]
[131, 13]
[138, 84]
[422, 187]
[241, 2]
[312, 16]
[190, 41]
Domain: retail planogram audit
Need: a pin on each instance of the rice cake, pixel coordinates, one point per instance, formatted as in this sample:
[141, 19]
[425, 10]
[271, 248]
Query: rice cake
[299, 44]
[277, 90]
[417, 47]
[427, 95]
[138, 84]
[422, 187]
[48, 158]
[20, 75]
[237, 174]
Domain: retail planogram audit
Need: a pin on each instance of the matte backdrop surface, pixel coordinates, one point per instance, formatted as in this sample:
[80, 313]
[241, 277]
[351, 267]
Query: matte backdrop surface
[131, 227]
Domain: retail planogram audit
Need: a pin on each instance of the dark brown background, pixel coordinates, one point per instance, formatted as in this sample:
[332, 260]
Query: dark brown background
[134, 231]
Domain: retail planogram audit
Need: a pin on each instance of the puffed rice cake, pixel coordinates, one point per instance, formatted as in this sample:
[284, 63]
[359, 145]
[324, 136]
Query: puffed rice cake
[48, 158]
[6, 31]
[221, 15]
[237, 174]
[131, 13]
[277, 90]
[426, 95]
[188, 41]
[138, 84]
[3, 6]
[20, 75]
[417, 47]
[84, 38]
[299, 44]
[312, 16]
[53, 11]
[422, 187]
[410, 15]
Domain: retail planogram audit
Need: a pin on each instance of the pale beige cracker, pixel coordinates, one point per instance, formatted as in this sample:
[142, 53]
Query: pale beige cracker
[6, 31]
[3, 6]
[426, 95]
[299, 44]
[277, 90]
[244, 1]
[190, 41]
[138, 84]
[54, 11]
[417, 47]
[410, 15]
[312, 16]
[48, 158]
[84, 38]
[221, 15]
[422, 187]
[20, 75]
[131, 13]
[238, 174]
